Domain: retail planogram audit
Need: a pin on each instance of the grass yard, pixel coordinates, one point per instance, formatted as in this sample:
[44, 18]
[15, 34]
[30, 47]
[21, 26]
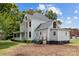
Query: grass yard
[74, 41]
[5, 45]
[12, 48]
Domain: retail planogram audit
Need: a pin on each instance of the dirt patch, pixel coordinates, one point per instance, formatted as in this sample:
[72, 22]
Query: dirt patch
[44, 50]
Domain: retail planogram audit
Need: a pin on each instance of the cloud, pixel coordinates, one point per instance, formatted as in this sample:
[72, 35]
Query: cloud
[56, 10]
[31, 8]
[69, 22]
[41, 7]
[75, 17]
[76, 11]
[68, 18]
[50, 7]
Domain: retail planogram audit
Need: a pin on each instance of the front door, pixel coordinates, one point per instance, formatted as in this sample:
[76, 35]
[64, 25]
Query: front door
[45, 39]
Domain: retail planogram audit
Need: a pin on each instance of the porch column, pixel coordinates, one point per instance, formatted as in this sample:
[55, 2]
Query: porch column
[28, 35]
[20, 36]
[48, 35]
[25, 35]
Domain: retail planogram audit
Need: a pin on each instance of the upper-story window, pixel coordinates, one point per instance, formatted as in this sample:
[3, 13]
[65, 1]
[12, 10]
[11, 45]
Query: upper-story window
[40, 33]
[54, 33]
[26, 18]
[30, 24]
[54, 24]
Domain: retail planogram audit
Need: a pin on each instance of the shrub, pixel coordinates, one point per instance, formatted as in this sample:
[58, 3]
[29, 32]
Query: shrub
[34, 41]
[24, 41]
[40, 42]
[27, 41]
[16, 40]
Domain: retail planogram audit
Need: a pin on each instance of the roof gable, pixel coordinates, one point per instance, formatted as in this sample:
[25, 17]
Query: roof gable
[44, 25]
[48, 24]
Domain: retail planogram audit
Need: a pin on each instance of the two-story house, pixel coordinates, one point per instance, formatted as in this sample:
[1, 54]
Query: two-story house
[39, 27]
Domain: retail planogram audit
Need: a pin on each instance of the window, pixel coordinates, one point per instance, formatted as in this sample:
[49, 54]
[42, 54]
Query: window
[30, 24]
[25, 18]
[40, 33]
[17, 34]
[54, 33]
[22, 35]
[14, 35]
[54, 24]
[30, 34]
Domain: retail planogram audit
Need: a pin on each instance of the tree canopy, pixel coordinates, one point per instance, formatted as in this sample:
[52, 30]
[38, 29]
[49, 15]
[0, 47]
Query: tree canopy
[51, 15]
[9, 18]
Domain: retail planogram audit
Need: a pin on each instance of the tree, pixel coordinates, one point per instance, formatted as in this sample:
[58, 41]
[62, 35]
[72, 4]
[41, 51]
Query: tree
[7, 7]
[59, 22]
[30, 11]
[38, 11]
[22, 14]
[9, 18]
[51, 15]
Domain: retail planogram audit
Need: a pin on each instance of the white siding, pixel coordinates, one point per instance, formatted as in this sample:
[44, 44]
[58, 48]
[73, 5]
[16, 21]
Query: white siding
[52, 36]
[22, 27]
[35, 23]
[63, 35]
[44, 33]
[57, 25]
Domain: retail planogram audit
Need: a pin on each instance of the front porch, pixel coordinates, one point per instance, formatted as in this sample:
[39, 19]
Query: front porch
[20, 35]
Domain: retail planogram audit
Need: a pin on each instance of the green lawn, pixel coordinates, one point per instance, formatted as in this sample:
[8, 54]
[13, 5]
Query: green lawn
[74, 41]
[6, 44]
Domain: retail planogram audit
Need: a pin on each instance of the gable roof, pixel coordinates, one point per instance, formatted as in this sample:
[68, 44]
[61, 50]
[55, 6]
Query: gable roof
[44, 25]
[37, 16]
[47, 25]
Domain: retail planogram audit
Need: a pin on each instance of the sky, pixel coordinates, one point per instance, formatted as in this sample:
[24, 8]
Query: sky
[68, 13]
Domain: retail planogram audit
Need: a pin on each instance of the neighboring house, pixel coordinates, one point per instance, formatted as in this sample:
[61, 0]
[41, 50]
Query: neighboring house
[39, 27]
[74, 33]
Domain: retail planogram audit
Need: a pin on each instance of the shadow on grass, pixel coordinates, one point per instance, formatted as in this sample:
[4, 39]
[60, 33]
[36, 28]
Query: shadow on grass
[5, 44]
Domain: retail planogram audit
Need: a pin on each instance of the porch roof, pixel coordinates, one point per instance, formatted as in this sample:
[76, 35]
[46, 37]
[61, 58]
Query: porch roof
[18, 32]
